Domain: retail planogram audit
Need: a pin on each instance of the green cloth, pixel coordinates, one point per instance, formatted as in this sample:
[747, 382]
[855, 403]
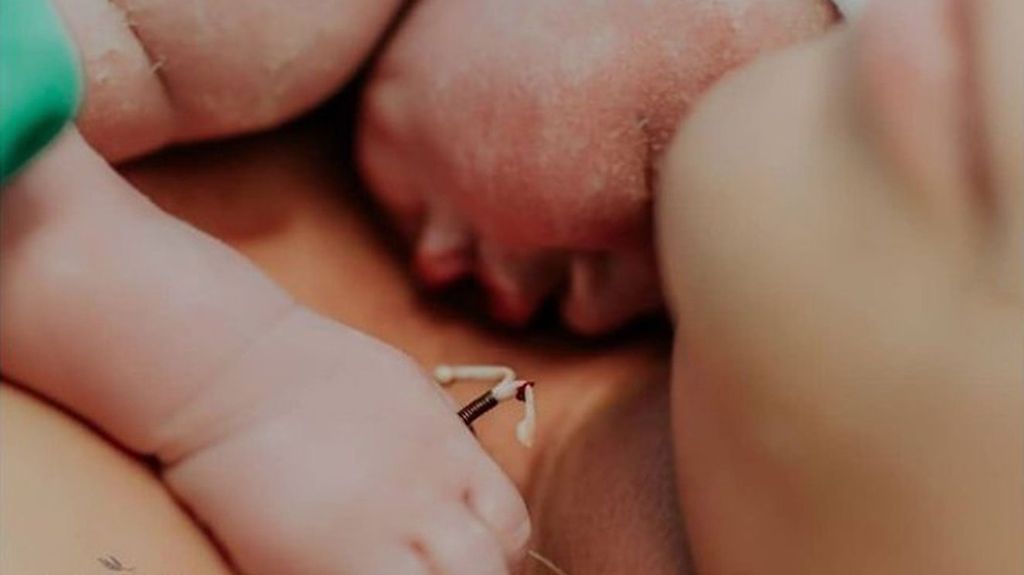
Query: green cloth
[40, 84]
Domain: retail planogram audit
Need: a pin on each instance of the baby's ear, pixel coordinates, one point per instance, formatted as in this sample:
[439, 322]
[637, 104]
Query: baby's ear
[915, 80]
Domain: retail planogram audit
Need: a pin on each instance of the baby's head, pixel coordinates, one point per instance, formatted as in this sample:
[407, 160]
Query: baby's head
[519, 142]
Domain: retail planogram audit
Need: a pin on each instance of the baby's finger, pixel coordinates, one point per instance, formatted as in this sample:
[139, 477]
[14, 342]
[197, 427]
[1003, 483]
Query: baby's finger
[458, 543]
[496, 502]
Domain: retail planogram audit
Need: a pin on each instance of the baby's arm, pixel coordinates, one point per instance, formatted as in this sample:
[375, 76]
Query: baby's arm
[292, 437]
[113, 308]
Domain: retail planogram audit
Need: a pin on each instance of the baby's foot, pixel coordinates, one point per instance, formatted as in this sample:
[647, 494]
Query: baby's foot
[518, 142]
[332, 453]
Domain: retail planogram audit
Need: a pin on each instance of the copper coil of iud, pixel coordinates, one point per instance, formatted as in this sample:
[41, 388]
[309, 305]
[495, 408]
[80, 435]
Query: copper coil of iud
[478, 407]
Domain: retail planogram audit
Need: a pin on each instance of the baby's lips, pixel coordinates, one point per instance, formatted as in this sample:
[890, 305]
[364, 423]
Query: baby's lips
[607, 290]
[517, 282]
[441, 268]
[437, 271]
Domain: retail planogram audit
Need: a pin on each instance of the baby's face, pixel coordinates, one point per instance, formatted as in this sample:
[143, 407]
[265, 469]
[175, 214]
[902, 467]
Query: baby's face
[519, 142]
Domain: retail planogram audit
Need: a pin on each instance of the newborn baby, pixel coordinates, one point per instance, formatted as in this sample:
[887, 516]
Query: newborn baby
[478, 114]
[303, 445]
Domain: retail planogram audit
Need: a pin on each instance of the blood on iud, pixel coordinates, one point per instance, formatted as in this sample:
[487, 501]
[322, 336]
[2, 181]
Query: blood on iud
[521, 389]
[508, 386]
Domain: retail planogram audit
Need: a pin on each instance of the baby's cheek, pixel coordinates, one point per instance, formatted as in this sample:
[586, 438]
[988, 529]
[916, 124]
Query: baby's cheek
[543, 123]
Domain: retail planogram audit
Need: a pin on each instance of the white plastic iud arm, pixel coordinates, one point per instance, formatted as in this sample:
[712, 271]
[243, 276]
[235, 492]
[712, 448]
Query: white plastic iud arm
[526, 429]
[448, 374]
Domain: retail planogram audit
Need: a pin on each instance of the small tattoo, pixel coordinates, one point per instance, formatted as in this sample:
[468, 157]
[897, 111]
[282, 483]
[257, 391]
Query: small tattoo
[114, 564]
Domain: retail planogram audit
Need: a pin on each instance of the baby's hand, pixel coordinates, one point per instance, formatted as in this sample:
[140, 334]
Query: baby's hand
[325, 451]
[518, 141]
[305, 446]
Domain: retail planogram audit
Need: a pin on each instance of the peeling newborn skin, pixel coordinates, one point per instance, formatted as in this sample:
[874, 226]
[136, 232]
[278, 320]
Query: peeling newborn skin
[158, 73]
[518, 142]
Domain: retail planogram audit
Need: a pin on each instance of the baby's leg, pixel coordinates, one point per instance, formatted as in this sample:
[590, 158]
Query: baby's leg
[305, 446]
[162, 72]
[519, 141]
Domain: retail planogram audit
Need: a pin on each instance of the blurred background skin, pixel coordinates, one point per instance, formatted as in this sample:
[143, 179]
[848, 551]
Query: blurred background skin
[844, 254]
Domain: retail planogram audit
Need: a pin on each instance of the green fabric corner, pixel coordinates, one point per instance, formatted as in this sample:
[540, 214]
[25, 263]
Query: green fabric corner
[40, 83]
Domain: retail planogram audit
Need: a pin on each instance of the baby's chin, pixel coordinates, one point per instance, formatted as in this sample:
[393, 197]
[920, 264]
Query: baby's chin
[518, 142]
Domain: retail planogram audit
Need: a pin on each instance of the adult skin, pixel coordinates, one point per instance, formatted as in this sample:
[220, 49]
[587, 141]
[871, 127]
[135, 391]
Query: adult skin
[842, 232]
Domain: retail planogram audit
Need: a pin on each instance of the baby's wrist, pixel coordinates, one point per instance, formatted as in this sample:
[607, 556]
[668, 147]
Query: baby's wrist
[243, 391]
[300, 356]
